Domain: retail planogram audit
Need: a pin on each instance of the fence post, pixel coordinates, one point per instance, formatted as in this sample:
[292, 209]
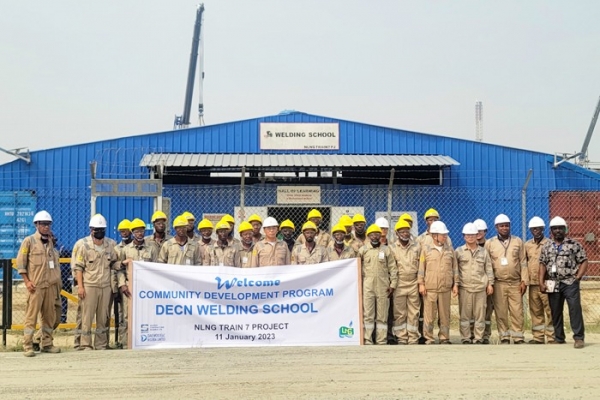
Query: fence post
[524, 206]
[243, 194]
[389, 205]
[6, 298]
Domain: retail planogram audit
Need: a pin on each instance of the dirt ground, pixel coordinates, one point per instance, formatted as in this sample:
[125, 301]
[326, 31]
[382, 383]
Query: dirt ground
[380, 372]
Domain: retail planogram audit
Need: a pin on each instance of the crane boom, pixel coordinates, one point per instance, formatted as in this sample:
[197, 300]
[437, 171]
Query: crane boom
[189, 90]
[588, 137]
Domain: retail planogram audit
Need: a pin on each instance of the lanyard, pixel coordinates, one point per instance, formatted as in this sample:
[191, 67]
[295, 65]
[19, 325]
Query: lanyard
[505, 246]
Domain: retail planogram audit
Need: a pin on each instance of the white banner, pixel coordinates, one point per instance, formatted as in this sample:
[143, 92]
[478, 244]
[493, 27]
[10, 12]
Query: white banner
[299, 136]
[176, 306]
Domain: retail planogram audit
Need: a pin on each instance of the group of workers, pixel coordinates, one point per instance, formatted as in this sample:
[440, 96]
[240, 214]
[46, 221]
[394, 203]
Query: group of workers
[416, 275]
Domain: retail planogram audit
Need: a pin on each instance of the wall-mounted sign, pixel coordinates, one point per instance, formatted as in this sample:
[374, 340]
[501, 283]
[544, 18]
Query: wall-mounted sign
[299, 136]
[298, 195]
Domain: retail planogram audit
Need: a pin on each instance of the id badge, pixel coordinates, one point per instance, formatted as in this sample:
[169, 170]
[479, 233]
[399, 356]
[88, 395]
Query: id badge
[553, 269]
[504, 261]
[51, 264]
[188, 261]
[381, 255]
[244, 260]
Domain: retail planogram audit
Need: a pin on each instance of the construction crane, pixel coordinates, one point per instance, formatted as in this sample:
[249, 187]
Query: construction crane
[183, 121]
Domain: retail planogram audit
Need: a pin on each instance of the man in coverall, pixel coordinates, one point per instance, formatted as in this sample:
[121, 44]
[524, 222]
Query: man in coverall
[181, 249]
[309, 252]
[380, 278]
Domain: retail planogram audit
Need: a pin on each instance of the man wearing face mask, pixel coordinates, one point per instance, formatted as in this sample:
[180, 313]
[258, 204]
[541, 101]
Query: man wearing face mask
[338, 249]
[309, 252]
[359, 236]
[181, 250]
[38, 264]
[231, 221]
[563, 263]
[406, 302]
[438, 279]
[539, 308]
[96, 259]
[137, 250]
[511, 279]
[270, 251]
[379, 279]
[346, 222]
[124, 229]
[244, 252]
[287, 230]
[321, 238]
[256, 222]
[160, 235]
[205, 227]
[191, 222]
[489, 306]
[223, 253]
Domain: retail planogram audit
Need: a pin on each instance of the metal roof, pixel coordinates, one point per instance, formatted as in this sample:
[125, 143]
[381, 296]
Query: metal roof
[294, 160]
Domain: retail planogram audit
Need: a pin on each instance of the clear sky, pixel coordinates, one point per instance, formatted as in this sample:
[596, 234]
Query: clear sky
[76, 71]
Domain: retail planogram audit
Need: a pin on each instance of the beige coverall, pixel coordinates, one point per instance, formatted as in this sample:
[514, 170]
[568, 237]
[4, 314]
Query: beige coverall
[474, 275]
[41, 264]
[507, 293]
[227, 256]
[190, 253]
[539, 307]
[379, 272]
[267, 254]
[301, 255]
[151, 240]
[347, 252]
[322, 239]
[96, 264]
[438, 272]
[407, 302]
[245, 255]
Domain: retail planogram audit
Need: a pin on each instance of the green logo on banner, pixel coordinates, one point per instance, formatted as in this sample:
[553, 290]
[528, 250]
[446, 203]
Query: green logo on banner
[346, 331]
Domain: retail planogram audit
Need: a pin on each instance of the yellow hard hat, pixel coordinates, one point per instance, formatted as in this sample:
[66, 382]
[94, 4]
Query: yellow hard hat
[358, 218]
[188, 215]
[255, 217]
[406, 217]
[345, 220]
[432, 212]
[158, 215]
[180, 220]
[287, 224]
[314, 213]
[137, 223]
[222, 225]
[124, 225]
[402, 224]
[245, 226]
[228, 218]
[338, 228]
[373, 228]
[205, 224]
[309, 225]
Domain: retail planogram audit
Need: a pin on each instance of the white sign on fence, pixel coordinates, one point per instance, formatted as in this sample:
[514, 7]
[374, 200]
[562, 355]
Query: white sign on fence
[299, 136]
[298, 195]
[177, 306]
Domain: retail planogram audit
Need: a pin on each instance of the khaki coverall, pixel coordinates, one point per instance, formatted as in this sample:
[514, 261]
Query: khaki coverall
[267, 254]
[322, 239]
[245, 255]
[190, 253]
[96, 263]
[227, 256]
[475, 273]
[347, 252]
[507, 293]
[301, 255]
[119, 248]
[41, 264]
[438, 272]
[379, 272]
[151, 240]
[407, 301]
[539, 307]
[144, 252]
[205, 248]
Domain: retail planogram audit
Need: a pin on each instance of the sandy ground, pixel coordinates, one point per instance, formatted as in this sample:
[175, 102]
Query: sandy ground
[380, 372]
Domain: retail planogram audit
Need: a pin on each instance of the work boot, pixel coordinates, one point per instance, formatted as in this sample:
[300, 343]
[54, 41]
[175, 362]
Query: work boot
[466, 342]
[485, 341]
[51, 349]
[578, 344]
[36, 346]
[29, 353]
[505, 341]
[533, 341]
[518, 341]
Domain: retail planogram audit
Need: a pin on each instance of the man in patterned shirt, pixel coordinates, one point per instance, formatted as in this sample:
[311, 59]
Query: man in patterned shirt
[563, 263]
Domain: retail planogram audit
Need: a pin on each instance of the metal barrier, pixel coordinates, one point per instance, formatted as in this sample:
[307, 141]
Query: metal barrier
[6, 298]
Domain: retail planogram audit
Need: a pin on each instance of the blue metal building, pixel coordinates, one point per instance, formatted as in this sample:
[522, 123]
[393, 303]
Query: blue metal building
[461, 178]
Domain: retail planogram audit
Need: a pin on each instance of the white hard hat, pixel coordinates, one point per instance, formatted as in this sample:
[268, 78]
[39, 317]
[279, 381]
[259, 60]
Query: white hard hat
[480, 225]
[536, 222]
[270, 221]
[470, 229]
[97, 221]
[382, 223]
[558, 221]
[502, 219]
[438, 227]
[42, 216]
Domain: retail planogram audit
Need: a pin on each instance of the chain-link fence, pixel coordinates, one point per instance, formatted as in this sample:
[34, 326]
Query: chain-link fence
[71, 211]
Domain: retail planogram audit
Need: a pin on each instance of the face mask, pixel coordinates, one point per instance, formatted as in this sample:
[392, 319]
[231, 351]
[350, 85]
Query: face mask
[339, 242]
[375, 243]
[99, 234]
